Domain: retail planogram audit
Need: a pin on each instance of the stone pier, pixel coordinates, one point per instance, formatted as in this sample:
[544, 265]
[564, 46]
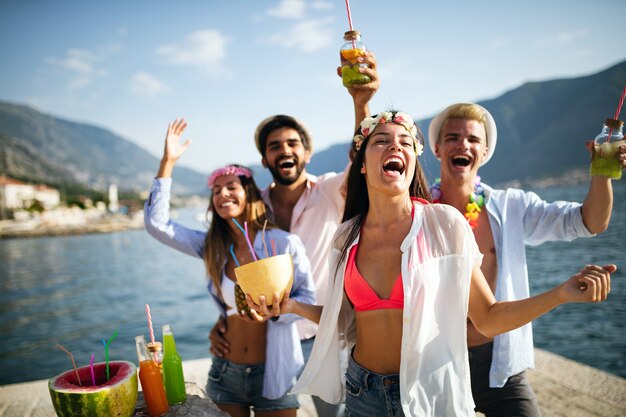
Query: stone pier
[564, 389]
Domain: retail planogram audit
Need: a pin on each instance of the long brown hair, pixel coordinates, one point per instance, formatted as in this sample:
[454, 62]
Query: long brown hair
[357, 197]
[220, 235]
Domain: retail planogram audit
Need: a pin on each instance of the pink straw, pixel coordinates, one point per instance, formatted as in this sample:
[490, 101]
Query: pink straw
[619, 109]
[93, 378]
[621, 101]
[245, 228]
[349, 15]
[80, 384]
[151, 329]
[273, 248]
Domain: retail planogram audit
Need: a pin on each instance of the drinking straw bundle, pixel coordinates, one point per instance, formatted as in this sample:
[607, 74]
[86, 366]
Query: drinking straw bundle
[244, 230]
[106, 355]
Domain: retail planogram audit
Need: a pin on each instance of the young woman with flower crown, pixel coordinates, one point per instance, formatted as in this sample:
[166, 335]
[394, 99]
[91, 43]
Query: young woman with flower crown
[265, 356]
[406, 276]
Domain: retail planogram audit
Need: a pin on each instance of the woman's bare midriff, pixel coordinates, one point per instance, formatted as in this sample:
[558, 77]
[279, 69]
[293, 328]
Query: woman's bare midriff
[378, 340]
[247, 341]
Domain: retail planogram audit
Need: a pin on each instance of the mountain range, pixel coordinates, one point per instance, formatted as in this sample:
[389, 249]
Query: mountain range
[38, 147]
[542, 128]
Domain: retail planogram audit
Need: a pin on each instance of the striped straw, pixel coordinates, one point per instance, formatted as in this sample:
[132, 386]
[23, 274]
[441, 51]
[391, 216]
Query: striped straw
[349, 15]
[150, 323]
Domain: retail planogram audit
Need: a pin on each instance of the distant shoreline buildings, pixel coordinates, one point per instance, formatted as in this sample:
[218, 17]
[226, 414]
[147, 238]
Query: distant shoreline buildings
[38, 210]
[19, 195]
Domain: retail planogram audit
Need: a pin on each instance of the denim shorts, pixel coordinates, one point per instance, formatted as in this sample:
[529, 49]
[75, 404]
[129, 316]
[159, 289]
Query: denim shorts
[371, 394]
[234, 384]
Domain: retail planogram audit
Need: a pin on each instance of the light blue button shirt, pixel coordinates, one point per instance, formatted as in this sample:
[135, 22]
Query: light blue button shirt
[519, 218]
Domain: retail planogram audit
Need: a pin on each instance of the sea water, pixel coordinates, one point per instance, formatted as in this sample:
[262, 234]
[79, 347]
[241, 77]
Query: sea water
[77, 290]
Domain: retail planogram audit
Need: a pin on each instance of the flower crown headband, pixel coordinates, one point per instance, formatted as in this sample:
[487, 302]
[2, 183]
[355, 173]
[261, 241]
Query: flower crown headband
[229, 170]
[369, 124]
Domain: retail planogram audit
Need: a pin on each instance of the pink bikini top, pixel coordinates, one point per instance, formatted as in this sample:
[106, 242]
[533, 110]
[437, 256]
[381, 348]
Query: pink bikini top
[361, 294]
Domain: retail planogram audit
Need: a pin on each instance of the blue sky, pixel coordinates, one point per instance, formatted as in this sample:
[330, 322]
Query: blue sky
[132, 66]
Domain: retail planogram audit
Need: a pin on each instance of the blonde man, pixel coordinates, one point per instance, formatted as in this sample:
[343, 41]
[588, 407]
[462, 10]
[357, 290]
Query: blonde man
[463, 137]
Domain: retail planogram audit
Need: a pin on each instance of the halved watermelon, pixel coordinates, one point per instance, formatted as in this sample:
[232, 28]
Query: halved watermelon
[116, 397]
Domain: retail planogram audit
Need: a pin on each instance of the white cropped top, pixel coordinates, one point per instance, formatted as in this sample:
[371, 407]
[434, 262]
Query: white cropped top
[228, 292]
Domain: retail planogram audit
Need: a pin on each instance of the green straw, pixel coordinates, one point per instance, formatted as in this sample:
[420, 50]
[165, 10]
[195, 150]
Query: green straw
[106, 350]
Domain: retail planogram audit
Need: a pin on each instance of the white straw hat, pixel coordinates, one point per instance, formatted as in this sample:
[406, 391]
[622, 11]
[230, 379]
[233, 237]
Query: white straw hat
[490, 127]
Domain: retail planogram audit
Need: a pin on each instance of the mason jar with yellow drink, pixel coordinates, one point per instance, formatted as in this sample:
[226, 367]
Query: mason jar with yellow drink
[349, 54]
[605, 162]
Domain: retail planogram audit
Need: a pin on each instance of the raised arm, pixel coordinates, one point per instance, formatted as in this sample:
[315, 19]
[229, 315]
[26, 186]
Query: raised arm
[157, 207]
[591, 284]
[597, 207]
[173, 148]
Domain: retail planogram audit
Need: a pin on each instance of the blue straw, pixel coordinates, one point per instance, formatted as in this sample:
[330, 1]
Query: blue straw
[232, 252]
[239, 226]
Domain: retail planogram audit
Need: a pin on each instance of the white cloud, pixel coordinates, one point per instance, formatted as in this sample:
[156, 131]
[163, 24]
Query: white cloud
[81, 64]
[566, 37]
[289, 9]
[560, 39]
[322, 5]
[308, 35]
[146, 84]
[205, 49]
[79, 61]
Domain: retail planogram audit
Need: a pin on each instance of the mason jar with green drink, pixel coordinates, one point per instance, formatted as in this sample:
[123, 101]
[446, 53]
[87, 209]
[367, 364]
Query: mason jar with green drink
[349, 54]
[605, 162]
